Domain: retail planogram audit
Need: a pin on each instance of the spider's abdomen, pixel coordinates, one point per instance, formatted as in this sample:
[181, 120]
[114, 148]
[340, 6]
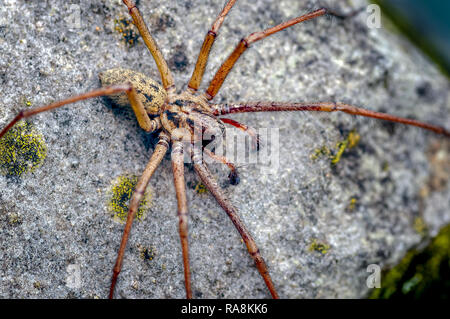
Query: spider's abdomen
[150, 92]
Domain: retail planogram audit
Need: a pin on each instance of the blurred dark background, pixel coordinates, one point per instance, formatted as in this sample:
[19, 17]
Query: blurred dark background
[424, 273]
[424, 22]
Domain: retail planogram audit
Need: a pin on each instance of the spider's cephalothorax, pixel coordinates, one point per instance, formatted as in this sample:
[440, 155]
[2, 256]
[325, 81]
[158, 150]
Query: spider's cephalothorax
[175, 117]
[191, 112]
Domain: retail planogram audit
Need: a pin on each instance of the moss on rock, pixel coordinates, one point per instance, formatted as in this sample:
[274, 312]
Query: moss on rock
[420, 274]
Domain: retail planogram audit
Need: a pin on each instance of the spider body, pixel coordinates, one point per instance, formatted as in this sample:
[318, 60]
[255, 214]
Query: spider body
[149, 92]
[176, 111]
[183, 110]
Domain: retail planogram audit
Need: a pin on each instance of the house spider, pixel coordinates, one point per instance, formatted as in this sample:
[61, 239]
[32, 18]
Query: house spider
[176, 111]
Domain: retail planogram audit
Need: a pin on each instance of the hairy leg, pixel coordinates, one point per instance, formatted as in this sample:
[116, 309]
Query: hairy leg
[197, 75]
[224, 70]
[222, 109]
[166, 75]
[249, 130]
[233, 176]
[155, 160]
[139, 110]
[180, 189]
[209, 181]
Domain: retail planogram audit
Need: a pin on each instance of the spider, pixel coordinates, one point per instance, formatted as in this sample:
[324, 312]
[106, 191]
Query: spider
[173, 115]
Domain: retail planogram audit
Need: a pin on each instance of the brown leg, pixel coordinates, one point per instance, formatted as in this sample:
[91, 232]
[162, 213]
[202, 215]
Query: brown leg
[155, 160]
[166, 76]
[180, 189]
[320, 107]
[197, 75]
[249, 130]
[138, 108]
[226, 67]
[209, 181]
[233, 176]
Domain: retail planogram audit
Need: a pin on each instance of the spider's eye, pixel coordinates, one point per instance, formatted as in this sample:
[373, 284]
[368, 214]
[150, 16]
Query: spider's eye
[151, 94]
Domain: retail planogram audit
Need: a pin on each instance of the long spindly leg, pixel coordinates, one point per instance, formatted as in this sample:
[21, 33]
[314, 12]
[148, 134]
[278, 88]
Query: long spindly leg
[155, 160]
[180, 189]
[233, 176]
[197, 75]
[249, 130]
[222, 109]
[166, 76]
[138, 108]
[226, 67]
[209, 181]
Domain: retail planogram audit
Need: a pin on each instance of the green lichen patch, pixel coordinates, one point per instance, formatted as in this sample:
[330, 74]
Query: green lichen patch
[22, 150]
[335, 154]
[120, 195]
[319, 246]
[420, 274]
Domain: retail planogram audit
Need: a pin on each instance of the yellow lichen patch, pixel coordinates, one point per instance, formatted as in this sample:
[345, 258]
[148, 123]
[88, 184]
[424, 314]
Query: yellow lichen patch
[14, 219]
[25, 101]
[350, 142]
[37, 285]
[335, 155]
[22, 150]
[125, 27]
[353, 139]
[319, 152]
[200, 188]
[319, 247]
[352, 204]
[120, 195]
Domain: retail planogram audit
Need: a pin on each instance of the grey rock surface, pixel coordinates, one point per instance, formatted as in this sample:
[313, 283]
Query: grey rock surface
[62, 206]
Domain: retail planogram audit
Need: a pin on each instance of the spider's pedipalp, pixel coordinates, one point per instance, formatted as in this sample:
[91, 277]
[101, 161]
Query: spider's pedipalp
[249, 130]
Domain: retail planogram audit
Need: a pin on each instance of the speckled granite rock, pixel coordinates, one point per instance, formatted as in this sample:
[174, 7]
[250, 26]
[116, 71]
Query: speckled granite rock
[57, 216]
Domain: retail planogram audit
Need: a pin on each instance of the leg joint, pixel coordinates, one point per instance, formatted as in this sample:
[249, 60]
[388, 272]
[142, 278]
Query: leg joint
[130, 4]
[245, 42]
